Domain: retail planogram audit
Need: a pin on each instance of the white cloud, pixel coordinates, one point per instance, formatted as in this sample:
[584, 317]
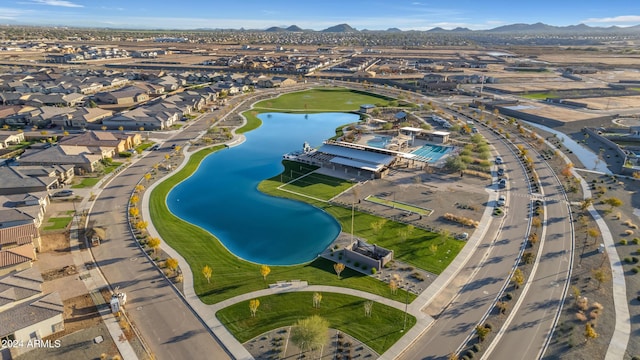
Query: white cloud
[63, 3]
[633, 19]
[10, 14]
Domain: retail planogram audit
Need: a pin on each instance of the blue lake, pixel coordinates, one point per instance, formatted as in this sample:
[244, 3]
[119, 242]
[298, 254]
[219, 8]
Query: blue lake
[222, 195]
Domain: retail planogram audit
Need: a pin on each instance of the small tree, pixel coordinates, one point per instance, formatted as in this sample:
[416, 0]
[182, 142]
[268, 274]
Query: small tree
[253, 306]
[533, 238]
[482, 332]
[590, 332]
[264, 271]
[368, 305]
[613, 202]
[172, 264]
[317, 298]
[393, 285]
[600, 275]
[593, 233]
[154, 244]
[134, 212]
[310, 333]
[207, 272]
[517, 278]
[139, 188]
[338, 267]
[147, 176]
[134, 199]
[453, 356]
[141, 225]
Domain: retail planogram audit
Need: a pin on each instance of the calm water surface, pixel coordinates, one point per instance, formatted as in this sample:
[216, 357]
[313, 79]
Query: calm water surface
[222, 196]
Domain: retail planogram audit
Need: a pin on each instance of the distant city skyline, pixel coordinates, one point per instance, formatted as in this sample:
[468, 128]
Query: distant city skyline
[372, 15]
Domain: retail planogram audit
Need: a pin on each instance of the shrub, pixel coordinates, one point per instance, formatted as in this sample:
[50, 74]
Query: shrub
[581, 316]
[636, 241]
[634, 260]
[477, 347]
[488, 326]
[374, 270]
[356, 264]
[628, 232]
[509, 296]
[364, 267]
[627, 260]
[470, 354]
[635, 270]
[623, 242]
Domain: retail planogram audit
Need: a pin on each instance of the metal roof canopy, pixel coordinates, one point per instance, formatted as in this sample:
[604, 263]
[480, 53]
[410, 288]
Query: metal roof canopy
[358, 155]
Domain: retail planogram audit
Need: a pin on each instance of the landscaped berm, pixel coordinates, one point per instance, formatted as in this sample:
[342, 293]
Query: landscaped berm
[231, 276]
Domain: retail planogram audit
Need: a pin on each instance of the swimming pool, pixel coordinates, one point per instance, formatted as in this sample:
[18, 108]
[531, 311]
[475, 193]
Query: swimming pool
[432, 153]
[379, 141]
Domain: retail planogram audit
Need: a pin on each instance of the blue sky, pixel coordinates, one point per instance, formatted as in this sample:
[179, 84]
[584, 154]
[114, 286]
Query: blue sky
[373, 14]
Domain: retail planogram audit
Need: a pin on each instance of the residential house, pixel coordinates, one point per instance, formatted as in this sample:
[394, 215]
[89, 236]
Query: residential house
[64, 173]
[127, 95]
[107, 141]
[160, 116]
[81, 117]
[276, 81]
[8, 138]
[67, 100]
[15, 181]
[10, 217]
[14, 236]
[25, 312]
[84, 159]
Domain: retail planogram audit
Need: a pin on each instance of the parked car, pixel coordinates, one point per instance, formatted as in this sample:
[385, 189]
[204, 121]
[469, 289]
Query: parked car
[63, 193]
[499, 160]
[502, 200]
[155, 147]
[500, 171]
[502, 183]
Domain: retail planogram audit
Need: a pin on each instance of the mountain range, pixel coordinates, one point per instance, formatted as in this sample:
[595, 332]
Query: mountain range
[512, 29]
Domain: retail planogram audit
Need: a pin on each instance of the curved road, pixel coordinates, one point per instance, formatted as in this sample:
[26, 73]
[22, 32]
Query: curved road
[168, 325]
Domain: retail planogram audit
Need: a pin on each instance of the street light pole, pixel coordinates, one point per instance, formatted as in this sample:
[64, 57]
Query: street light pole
[406, 306]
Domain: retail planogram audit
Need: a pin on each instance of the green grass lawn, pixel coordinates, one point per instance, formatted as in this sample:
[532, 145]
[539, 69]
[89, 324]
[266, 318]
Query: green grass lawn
[111, 167]
[539, 96]
[399, 205]
[58, 223]
[144, 146]
[85, 183]
[317, 185]
[324, 99]
[233, 276]
[416, 249]
[343, 312]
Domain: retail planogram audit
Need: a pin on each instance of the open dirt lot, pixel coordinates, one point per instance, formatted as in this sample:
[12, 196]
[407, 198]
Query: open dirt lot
[610, 103]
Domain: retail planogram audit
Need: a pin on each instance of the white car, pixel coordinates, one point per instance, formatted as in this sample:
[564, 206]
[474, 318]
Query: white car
[499, 160]
[502, 200]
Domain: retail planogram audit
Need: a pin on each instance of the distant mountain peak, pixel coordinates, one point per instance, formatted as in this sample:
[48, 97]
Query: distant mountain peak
[340, 28]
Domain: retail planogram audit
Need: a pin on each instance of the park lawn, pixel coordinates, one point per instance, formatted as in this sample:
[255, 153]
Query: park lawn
[324, 99]
[252, 122]
[86, 182]
[58, 223]
[424, 249]
[343, 312]
[318, 186]
[233, 276]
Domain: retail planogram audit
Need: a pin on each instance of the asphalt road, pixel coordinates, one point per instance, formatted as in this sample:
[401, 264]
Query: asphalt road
[533, 321]
[165, 321]
[485, 274]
